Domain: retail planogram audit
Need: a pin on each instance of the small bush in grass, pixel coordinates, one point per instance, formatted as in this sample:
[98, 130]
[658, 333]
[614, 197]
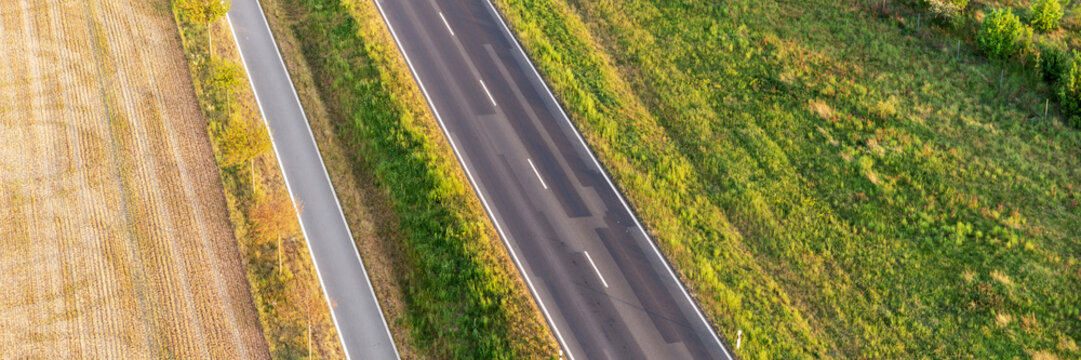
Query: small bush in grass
[947, 12]
[1045, 14]
[884, 109]
[1069, 92]
[999, 33]
[1054, 61]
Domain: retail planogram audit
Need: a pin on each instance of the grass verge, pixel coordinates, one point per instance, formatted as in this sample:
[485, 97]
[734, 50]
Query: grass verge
[295, 319]
[823, 180]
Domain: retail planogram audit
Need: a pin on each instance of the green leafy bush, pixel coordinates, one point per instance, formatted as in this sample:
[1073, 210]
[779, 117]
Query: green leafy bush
[1046, 14]
[1054, 61]
[999, 33]
[884, 109]
[1070, 92]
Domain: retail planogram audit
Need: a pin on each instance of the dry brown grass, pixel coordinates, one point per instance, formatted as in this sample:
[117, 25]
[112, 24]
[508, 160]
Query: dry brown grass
[820, 108]
[1001, 277]
[113, 235]
[1003, 319]
[1066, 344]
[1042, 355]
[968, 275]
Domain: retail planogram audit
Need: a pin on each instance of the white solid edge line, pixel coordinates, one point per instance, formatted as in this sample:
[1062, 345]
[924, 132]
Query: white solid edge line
[352, 242]
[538, 173]
[446, 23]
[486, 92]
[595, 268]
[609, 180]
[487, 209]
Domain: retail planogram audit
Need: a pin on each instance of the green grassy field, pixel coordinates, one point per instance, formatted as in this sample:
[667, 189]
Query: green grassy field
[461, 293]
[827, 180]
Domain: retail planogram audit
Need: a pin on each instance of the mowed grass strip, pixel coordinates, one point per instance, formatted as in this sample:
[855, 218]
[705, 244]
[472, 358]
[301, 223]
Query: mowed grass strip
[460, 293]
[824, 181]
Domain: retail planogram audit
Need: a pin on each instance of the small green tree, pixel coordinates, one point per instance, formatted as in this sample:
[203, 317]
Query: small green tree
[1069, 92]
[241, 140]
[999, 33]
[273, 218]
[204, 12]
[221, 77]
[223, 74]
[1045, 14]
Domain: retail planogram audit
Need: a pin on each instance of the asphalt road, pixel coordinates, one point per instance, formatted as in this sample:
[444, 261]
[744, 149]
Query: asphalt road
[353, 304]
[603, 286]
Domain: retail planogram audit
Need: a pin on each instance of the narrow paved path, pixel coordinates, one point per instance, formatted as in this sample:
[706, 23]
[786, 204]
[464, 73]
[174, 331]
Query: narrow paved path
[355, 309]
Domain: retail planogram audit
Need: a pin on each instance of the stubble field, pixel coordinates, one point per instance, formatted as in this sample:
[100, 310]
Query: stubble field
[113, 234]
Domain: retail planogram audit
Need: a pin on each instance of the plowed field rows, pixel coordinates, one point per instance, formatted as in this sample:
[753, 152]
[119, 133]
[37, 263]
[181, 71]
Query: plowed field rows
[114, 238]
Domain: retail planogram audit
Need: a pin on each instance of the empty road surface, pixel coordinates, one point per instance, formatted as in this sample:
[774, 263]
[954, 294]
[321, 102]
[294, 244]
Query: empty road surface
[603, 286]
[355, 309]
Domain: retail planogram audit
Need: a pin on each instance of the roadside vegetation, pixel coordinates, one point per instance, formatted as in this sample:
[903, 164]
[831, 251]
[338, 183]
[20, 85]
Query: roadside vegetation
[293, 312]
[835, 178]
[452, 290]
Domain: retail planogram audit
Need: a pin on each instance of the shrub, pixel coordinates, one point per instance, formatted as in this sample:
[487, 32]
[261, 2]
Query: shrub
[946, 12]
[884, 109]
[1069, 92]
[999, 33]
[1054, 61]
[1045, 14]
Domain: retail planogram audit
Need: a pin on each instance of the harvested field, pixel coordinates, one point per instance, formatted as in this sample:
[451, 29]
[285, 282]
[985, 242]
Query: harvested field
[114, 238]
